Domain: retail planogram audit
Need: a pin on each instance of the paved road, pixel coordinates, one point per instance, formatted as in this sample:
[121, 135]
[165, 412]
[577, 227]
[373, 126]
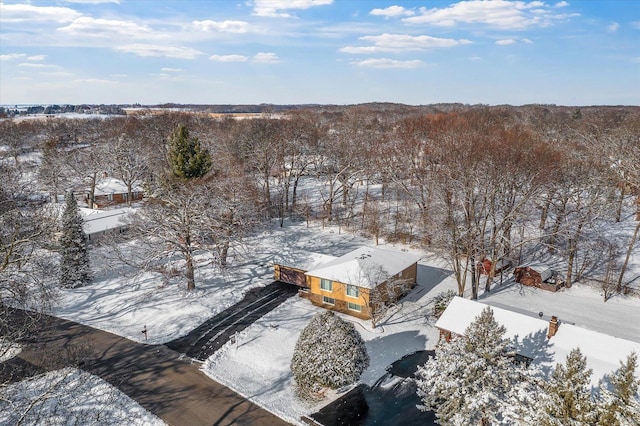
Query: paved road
[203, 341]
[155, 376]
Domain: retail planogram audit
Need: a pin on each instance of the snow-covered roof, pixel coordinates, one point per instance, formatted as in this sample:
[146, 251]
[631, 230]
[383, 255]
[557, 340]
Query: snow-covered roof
[111, 185]
[365, 267]
[603, 352]
[100, 221]
[304, 260]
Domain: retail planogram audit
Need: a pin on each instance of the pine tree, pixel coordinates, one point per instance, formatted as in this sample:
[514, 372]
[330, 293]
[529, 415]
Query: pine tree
[566, 399]
[471, 379]
[187, 159]
[329, 353]
[74, 265]
[620, 405]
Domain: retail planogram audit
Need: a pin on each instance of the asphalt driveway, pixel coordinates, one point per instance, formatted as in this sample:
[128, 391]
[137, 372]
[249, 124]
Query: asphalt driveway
[210, 336]
[158, 378]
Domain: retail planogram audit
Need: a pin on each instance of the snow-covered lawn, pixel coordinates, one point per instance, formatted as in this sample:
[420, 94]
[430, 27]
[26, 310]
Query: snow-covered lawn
[257, 365]
[8, 349]
[70, 396]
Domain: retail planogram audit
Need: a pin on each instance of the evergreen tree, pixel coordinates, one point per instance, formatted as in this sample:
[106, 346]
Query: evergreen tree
[566, 399]
[471, 379]
[187, 159]
[74, 265]
[329, 353]
[620, 405]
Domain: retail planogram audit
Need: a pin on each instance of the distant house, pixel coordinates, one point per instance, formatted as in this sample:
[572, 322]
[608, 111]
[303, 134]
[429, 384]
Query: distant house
[542, 342]
[97, 223]
[539, 276]
[354, 283]
[110, 191]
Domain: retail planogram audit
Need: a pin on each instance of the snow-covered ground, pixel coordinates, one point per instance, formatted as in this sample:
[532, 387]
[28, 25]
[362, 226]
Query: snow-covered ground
[69, 397]
[8, 350]
[257, 365]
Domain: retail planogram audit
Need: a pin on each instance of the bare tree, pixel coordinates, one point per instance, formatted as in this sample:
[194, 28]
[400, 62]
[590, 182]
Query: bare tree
[129, 163]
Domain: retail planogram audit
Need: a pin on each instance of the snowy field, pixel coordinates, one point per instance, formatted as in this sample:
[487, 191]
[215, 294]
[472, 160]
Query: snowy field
[71, 397]
[123, 303]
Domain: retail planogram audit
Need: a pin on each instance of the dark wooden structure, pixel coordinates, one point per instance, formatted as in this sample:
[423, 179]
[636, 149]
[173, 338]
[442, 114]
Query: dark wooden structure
[484, 267]
[539, 277]
[290, 275]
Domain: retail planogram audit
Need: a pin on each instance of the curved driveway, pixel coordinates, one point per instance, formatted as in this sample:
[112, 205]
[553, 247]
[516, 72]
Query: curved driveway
[158, 378]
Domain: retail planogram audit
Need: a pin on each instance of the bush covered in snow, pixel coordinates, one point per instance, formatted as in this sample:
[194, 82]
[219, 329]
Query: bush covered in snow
[329, 353]
[441, 301]
[472, 379]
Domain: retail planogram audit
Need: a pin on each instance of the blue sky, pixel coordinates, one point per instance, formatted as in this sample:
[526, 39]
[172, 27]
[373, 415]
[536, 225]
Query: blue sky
[320, 51]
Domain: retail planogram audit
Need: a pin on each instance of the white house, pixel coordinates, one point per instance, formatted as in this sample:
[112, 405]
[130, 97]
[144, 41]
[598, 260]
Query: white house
[100, 222]
[545, 343]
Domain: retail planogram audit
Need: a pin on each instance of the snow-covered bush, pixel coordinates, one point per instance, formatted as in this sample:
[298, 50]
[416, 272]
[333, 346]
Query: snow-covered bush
[567, 399]
[472, 379]
[441, 301]
[619, 404]
[329, 353]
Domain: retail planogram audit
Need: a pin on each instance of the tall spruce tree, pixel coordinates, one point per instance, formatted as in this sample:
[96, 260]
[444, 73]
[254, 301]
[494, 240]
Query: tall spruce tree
[329, 353]
[75, 270]
[471, 380]
[619, 404]
[187, 159]
[567, 400]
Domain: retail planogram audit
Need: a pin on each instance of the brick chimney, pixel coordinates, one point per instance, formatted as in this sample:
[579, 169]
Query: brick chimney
[553, 327]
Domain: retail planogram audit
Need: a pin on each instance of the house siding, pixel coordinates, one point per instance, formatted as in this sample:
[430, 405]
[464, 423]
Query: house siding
[339, 294]
[104, 200]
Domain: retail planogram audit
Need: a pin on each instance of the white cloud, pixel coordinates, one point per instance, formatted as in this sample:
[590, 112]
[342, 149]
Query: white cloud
[238, 27]
[613, 27]
[56, 73]
[40, 66]
[502, 14]
[636, 60]
[401, 42]
[92, 1]
[475, 58]
[228, 58]
[37, 58]
[95, 81]
[387, 63]
[118, 75]
[636, 25]
[171, 69]
[142, 49]
[392, 12]
[505, 42]
[16, 13]
[561, 4]
[266, 58]
[87, 27]
[11, 56]
[273, 8]
[526, 41]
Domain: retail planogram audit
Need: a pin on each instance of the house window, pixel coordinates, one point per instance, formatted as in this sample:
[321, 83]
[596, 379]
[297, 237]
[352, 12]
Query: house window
[110, 197]
[354, 307]
[326, 285]
[328, 300]
[353, 291]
